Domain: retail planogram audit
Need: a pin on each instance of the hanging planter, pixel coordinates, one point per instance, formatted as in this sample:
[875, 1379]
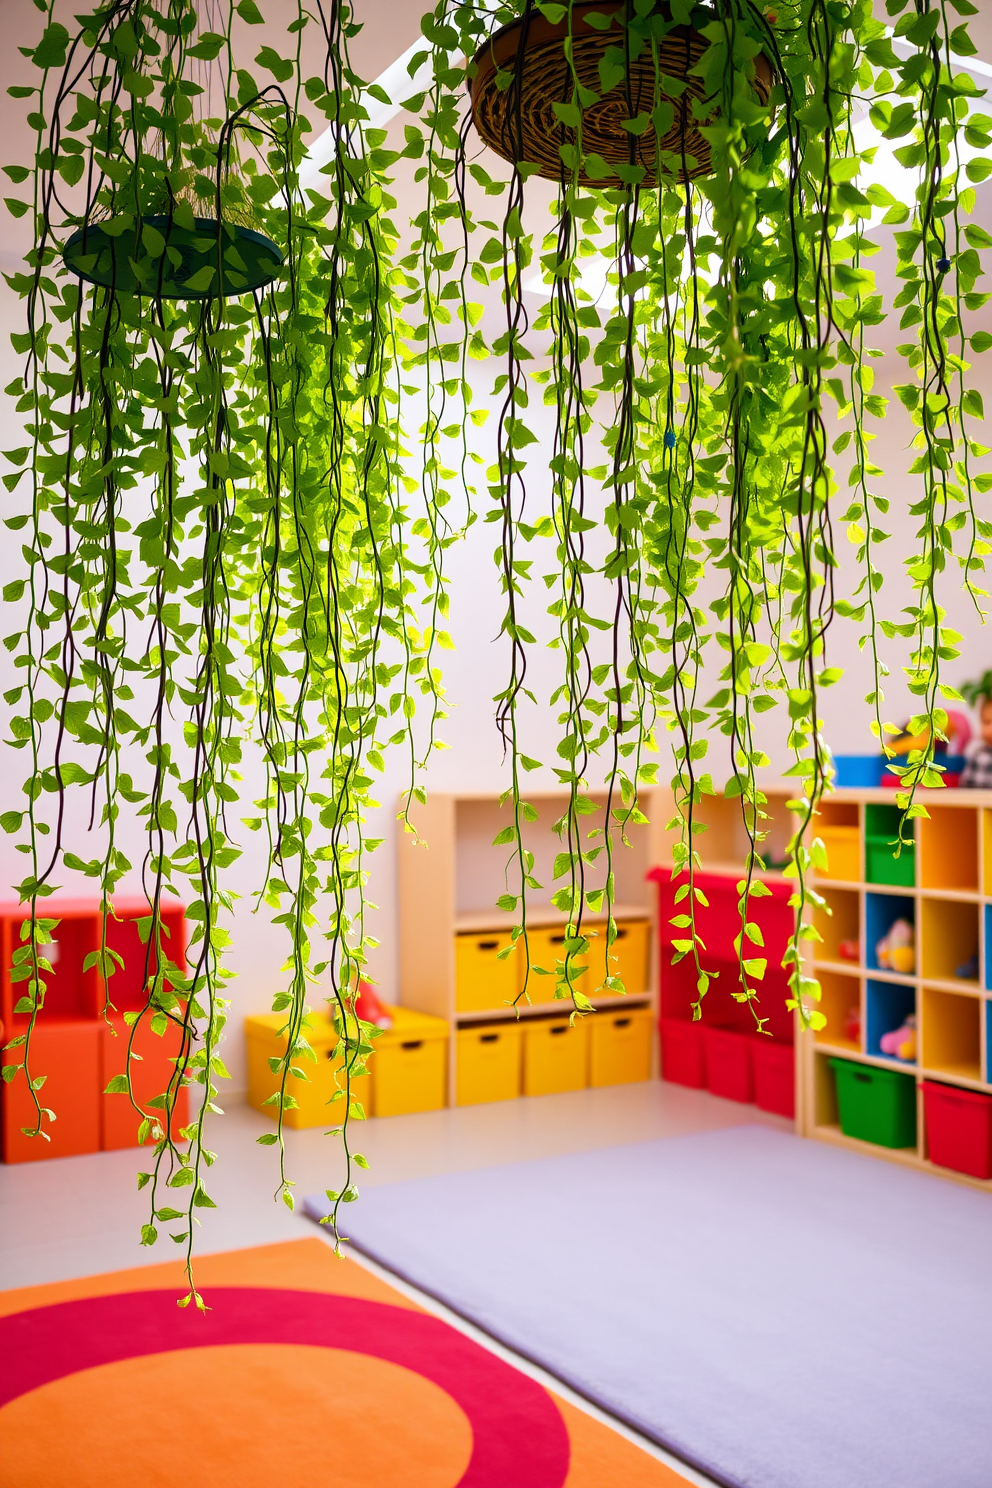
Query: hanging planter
[157, 255]
[525, 91]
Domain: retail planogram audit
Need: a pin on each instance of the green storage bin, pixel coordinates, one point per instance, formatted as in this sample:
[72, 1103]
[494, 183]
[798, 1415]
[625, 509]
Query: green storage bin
[883, 867]
[881, 864]
[876, 1105]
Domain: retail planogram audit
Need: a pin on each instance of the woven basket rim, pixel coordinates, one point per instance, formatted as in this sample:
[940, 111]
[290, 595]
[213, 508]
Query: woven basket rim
[495, 49]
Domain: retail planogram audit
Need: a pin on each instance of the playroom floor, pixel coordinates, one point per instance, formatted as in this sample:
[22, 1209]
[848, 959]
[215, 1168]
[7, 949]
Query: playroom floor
[80, 1216]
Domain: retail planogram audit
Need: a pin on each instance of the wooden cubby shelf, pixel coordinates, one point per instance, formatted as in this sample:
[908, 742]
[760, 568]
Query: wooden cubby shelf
[450, 877]
[941, 885]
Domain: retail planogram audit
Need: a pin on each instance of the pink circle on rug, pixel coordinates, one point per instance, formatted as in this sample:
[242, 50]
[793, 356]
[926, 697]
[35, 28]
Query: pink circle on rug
[518, 1435]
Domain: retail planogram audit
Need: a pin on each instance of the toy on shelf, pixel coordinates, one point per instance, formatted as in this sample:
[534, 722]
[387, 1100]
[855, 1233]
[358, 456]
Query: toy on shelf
[901, 1042]
[949, 752]
[849, 950]
[852, 1024]
[968, 970]
[370, 1009]
[896, 951]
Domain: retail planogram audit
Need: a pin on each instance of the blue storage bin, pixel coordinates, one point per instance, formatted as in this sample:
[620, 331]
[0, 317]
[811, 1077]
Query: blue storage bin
[859, 769]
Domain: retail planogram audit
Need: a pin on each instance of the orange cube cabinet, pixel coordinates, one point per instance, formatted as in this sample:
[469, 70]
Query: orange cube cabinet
[72, 1044]
[68, 1055]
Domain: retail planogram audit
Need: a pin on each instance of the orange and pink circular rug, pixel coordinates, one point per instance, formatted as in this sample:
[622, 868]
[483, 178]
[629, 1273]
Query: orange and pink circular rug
[306, 1371]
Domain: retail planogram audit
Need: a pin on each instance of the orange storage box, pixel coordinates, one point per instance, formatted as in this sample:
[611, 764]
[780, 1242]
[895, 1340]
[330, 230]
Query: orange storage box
[68, 1054]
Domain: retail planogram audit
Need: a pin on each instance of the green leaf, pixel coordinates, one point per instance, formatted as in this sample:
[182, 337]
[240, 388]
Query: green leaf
[118, 1086]
[267, 1139]
[10, 821]
[249, 12]
[272, 62]
[51, 49]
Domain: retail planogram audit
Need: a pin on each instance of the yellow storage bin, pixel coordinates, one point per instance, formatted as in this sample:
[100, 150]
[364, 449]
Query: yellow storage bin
[556, 1056]
[410, 1064]
[489, 1057]
[620, 1046]
[843, 845]
[628, 955]
[313, 1096]
[547, 946]
[628, 958]
[483, 982]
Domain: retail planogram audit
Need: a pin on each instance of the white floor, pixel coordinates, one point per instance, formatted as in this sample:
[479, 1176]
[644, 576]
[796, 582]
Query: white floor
[79, 1216]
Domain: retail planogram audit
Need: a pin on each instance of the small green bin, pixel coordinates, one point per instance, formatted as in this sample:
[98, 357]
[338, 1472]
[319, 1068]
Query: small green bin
[883, 867]
[876, 1105]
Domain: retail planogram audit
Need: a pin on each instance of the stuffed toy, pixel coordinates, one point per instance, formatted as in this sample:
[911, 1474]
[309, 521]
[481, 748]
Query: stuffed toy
[901, 1042]
[896, 951]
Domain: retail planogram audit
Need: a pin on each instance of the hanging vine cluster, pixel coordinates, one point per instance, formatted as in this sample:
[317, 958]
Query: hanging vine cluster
[251, 405]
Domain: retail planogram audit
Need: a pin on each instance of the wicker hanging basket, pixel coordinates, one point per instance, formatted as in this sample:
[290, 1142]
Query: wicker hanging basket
[520, 124]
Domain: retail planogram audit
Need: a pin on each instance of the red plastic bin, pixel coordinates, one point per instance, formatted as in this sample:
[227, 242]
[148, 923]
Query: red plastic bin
[959, 1128]
[774, 1076]
[682, 1053]
[729, 1068]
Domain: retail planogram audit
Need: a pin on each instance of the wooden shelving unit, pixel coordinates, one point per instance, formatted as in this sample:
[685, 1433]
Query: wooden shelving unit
[450, 876]
[948, 897]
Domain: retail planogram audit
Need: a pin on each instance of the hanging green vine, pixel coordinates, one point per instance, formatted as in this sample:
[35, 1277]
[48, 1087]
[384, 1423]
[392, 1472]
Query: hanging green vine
[251, 409]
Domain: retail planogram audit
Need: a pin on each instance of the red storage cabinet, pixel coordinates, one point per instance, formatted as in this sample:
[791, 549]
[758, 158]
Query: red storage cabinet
[774, 1067]
[958, 1128]
[682, 1060]
[729, 1071]
[732, 1065]
[72, 1045]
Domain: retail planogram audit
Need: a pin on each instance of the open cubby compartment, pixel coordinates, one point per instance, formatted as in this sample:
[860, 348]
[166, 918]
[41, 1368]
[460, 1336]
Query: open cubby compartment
[948, 848]
[887, 1006]
[885, 861]
[951, 1033]
[987, 1021]
[837, 922]
[837, 825]
[825, 1109]
[726, 840]
[73, 991]
[881, 913]
[947, 937]
[986, 850]
[127, 984]
[840, 997]
[987, 914]
[480, 869]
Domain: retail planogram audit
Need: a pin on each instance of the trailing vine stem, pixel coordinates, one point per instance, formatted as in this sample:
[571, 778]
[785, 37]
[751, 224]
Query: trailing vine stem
[239, 506]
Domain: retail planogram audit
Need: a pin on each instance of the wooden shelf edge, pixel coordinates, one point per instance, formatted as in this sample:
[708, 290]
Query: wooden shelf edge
[542, 1009]
[905, 1157]
[479, 922]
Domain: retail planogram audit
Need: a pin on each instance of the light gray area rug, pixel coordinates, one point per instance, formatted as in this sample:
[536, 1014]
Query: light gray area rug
[777, 1312]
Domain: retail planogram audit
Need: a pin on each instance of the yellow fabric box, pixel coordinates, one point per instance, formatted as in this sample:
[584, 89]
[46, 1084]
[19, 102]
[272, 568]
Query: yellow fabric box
[620, 1046]
[483, 982]
[489, 1062]
[556, 1056]
[313, 1096]
[547, 947]
[628, 955]
[843, 845]
[410, 1064]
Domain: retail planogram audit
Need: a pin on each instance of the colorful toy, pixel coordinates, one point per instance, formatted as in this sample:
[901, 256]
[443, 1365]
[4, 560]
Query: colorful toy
[370, 1009]
[896, 951]
[968, 970]
[849, 950]
[852, 1024]
[901, 1042]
